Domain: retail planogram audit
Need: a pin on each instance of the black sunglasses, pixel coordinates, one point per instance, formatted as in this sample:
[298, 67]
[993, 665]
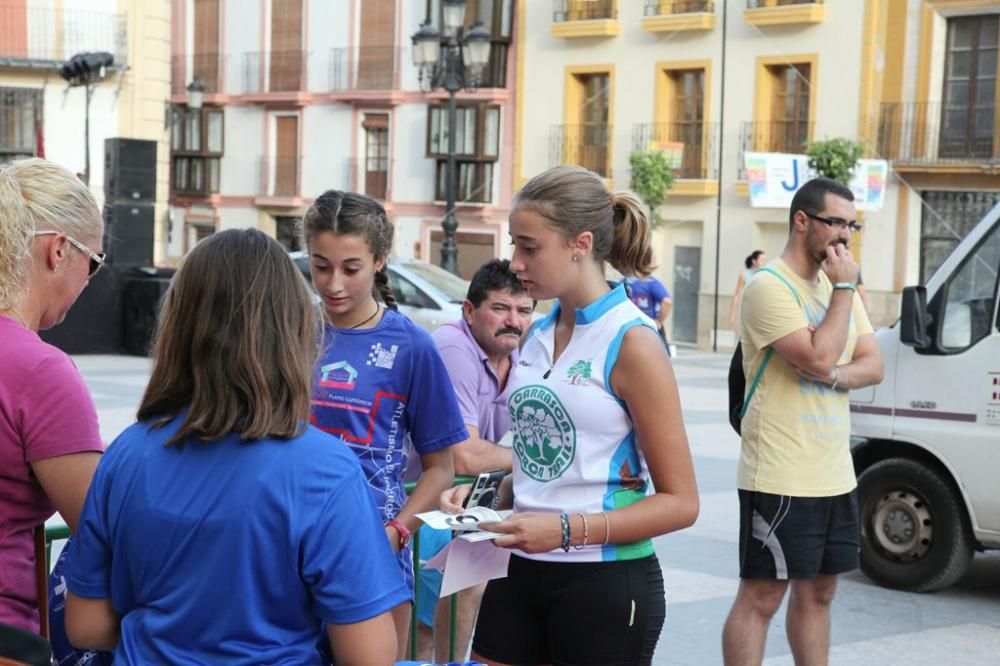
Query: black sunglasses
[835, 222]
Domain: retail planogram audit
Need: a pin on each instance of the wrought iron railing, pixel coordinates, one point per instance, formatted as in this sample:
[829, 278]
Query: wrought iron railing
[667, 7]
[364, 68]
[44, 35]
[20, 113]
[775, 136]
[588, 145]
[757, 4]
[936, 133]
[279, 176]
[583, 10]
[274, 71]
[691, 145]
[210, 68]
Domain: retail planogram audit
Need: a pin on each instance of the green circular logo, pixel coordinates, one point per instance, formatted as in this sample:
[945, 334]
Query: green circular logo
[544, 434]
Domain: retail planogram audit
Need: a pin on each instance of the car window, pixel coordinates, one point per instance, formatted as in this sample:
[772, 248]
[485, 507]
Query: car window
[452, 286]
[407, 293]
[971, 297]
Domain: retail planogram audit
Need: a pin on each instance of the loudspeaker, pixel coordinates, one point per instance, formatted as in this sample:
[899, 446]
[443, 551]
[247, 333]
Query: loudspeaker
[142, 305]
[128, 234]
[94, 324]
[129, 170]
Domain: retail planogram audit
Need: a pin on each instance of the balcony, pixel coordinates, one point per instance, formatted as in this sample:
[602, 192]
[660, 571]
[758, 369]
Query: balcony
[929, 136]
[45, 37]
[692, 146]
[371, 176]
[367, 68]
[784, 12]
[587, 145]
[274, 72]
[775, 136]
[675, 15]
[279, 181]
[585, 18]
[208, 67]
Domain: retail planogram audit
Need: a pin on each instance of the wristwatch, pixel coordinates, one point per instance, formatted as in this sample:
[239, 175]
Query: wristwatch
[404, 533]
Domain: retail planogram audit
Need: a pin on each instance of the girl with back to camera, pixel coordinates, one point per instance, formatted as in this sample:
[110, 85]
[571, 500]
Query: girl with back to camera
[602, 463]
[222, 528]
[50, 241]
[381, 379]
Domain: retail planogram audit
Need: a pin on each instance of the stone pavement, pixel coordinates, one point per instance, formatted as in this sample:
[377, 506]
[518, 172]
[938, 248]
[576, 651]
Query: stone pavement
[871, 625]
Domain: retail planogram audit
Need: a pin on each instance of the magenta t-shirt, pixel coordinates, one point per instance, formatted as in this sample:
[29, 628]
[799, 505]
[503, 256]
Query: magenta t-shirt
[45, 411]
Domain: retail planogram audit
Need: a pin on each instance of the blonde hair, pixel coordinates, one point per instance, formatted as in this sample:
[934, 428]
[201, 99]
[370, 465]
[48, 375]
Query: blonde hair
[37, 194]
[575, 200]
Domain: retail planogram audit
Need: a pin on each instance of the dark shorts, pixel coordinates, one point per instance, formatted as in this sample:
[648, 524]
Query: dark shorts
[784, 537]
[572, 613]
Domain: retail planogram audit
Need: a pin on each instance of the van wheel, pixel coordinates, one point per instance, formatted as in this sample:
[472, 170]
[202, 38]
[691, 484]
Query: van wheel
[913, 534]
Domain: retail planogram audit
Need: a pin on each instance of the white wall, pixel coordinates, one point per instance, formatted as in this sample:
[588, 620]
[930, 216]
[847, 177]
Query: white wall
[238, 218]
[414, 173]
[326, 148]
[244, 148]
[242, 35]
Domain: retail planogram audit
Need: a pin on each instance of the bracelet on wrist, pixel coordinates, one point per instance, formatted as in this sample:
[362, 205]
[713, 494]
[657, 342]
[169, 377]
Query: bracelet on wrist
[564, 520]
[845, 285]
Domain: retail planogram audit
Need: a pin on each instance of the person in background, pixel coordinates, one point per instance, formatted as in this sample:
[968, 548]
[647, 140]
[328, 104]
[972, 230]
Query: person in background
[601, 458]
[653, 298]
[754, 261]
[480, 351]
[222, 528]
[863, 293]
[380, 380]
[50, 443]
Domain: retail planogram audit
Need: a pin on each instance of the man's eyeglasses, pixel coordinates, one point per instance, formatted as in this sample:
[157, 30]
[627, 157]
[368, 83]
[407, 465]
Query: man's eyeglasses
[835, 222]
[96, 259]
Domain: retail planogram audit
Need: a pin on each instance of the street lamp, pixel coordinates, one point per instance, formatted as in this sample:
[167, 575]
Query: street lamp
[195, 98]
[454, 66]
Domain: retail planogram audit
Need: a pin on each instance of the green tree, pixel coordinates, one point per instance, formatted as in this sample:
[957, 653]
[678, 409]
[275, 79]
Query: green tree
[652, 176]
[835, 158]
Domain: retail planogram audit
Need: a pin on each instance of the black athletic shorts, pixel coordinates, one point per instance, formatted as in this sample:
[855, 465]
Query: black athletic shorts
[784, 537]
[562, 613]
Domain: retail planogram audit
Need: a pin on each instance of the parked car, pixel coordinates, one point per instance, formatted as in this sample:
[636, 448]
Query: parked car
[427, 294]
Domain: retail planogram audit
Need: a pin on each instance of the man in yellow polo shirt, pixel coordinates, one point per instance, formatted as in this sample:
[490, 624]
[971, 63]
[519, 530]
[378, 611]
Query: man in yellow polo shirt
[804, 324]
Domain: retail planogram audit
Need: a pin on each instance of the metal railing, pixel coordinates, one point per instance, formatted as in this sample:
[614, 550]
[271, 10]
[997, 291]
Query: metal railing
[38, 36]
[588, 145]
[279, 176]
[667, 7]
[694, 143]
[364, 68]
[371, 176]
[274, 71]
[775, 136]
[935, 133]
[210, 68]
[758, 4]
[19, 112]
[61, 532]
[582, 10]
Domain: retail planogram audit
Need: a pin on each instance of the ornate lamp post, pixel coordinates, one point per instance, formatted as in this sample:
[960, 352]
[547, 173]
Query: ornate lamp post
[456, 65]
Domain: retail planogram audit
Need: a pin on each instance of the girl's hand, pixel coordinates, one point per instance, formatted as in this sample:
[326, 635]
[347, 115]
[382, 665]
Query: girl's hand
[393, 536]
[453, 498]
[530, 532]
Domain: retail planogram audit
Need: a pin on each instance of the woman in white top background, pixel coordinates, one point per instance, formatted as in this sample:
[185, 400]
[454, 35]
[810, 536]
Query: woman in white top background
[754, 260]
[602, 463]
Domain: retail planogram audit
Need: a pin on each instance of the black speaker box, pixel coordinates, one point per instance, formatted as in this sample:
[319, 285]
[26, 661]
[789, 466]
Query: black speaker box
[94, 323]
[128, 234]
[129, 170]
[142, 298]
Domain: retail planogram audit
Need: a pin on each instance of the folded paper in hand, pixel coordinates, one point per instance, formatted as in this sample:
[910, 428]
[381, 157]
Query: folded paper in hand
[467, 521]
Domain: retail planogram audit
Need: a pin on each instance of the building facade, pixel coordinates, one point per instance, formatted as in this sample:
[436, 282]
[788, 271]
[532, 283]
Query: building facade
[41, 116]
[303, 96]
[608, 77]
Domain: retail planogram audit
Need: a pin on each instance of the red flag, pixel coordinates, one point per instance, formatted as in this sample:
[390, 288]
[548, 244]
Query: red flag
[39, 135]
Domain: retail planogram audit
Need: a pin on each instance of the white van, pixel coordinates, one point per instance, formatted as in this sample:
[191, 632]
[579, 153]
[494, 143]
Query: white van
[926, 441]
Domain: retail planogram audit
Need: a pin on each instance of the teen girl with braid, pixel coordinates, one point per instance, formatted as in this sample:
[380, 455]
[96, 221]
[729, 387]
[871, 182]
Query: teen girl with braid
[601, 459]
[380, 379]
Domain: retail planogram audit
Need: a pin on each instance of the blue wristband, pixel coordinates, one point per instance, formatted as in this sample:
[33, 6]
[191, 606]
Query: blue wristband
[564, 519]
[845, 285]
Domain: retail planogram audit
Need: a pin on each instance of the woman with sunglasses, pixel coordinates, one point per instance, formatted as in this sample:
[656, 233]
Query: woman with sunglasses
[50, 237]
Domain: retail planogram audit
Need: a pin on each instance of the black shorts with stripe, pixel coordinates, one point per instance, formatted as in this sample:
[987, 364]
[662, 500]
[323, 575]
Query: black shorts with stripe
[784, 537]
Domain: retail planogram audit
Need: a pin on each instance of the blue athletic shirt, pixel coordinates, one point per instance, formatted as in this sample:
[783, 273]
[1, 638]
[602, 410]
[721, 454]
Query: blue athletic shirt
[378, 386]
[231, 552]
[647, 294]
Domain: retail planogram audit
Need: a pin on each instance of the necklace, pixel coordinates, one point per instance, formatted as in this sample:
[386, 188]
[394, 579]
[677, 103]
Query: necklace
[18, 317]
[375, 314]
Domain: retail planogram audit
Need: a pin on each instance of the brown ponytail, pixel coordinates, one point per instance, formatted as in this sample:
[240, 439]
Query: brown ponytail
[632, 247]
[383, 290]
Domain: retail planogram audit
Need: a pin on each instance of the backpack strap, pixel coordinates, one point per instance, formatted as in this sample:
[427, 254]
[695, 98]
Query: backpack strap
[770, 350]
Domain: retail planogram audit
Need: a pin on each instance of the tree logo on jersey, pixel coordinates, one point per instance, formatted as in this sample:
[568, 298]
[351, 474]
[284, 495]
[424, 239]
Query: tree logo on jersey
[578, 372]
[544, 434]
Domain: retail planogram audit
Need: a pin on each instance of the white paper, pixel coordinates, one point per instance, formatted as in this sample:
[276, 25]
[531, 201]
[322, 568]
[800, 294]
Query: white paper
[467, 563]
[466, 521]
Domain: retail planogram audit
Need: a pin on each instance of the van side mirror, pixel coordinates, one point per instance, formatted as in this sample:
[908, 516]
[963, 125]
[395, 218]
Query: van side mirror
[914, 320]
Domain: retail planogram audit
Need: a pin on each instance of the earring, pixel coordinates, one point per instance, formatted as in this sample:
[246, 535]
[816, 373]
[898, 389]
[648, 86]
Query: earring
[576, 257]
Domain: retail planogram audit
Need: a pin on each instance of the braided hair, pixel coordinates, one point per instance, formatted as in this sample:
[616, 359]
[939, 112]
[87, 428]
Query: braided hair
[353, 213]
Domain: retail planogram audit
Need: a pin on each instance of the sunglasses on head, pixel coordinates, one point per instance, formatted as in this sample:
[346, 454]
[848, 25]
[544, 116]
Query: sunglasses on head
[835, 222]
[96, 259]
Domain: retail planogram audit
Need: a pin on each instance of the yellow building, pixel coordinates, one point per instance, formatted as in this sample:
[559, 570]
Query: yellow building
[710, 80]
[40, 114]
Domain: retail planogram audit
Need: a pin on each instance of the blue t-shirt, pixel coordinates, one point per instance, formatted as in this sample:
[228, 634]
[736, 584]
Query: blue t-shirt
[231, 552]
[647, 294]
[378, 387]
